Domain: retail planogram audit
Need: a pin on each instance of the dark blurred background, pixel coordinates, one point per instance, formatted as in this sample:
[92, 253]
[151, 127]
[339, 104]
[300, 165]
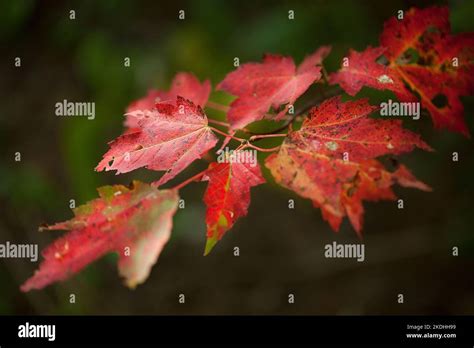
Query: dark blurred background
[281, 250]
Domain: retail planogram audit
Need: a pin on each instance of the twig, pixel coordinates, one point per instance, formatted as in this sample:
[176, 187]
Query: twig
[217, 106]
[219, 123]
[276, 148]
[191, 179]
[227, 134]
[264, 136]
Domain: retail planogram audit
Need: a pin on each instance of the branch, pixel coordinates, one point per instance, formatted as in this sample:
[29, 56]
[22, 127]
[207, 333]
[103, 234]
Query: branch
[335, 90]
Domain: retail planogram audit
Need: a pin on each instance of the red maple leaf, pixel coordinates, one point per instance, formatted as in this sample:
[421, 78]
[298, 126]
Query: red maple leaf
[273, 83]
[330, 160]
[168, 138]
[184, 84]
[228, 194]
[363, 70]
[421, 51]
[134, 222]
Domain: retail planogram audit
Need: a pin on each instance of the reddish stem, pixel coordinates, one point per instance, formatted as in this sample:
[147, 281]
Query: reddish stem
[263, 136]
[191, 179]
[244, 144]
[219, 123]
[217, 106]
[276, 148]
[227, 135]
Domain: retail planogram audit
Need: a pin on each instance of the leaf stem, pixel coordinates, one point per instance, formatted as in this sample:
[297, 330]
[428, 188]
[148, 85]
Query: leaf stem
[244, 144]
[247, 142]
[227, 135]
[264, 136]
[191, 179]
[276, 148]
[217, 106]
[219, 123]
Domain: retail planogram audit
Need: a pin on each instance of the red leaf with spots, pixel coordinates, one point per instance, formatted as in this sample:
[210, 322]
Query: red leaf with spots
[134, 222]
[184, 84]
[228, 194]
[420, 51]
[273, 83]
[330, 160]
[434, 73]
[363, 70]
[168, 138]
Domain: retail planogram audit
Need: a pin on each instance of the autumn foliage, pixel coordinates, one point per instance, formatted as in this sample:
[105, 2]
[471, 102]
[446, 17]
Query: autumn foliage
[421, 58]
[332, 159]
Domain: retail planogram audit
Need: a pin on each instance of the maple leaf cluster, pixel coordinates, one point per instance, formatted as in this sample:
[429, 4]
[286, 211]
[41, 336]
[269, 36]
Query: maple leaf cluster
[422, 59]
[333, 159]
